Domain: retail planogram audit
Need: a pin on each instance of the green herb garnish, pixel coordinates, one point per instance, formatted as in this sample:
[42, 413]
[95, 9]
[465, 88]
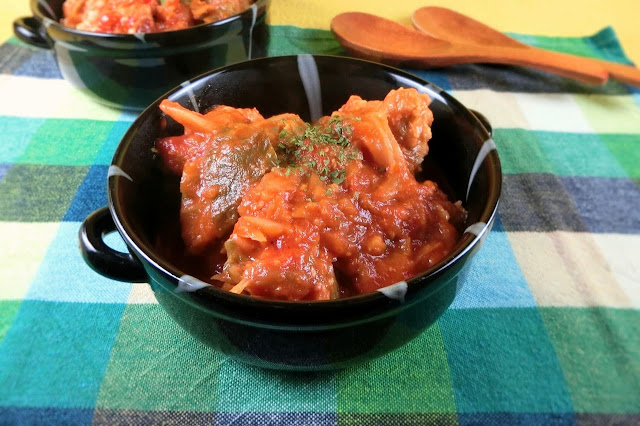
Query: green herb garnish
[330, 140]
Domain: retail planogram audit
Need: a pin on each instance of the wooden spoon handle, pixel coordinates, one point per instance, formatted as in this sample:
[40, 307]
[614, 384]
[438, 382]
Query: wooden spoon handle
[564, 62]
[570, 66]
[624, 73]
[621, 72]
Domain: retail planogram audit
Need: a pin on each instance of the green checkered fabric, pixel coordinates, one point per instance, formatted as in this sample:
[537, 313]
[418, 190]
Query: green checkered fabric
[545, 331]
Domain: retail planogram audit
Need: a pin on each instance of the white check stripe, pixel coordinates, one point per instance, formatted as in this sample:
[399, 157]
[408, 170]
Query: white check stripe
[579, 269]
[57, 99]
[556, 112]
[141, 293]
[500, 108]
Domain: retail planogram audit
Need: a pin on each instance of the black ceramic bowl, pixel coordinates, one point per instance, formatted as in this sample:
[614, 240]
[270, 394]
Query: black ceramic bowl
[132, 70]
[144, 205]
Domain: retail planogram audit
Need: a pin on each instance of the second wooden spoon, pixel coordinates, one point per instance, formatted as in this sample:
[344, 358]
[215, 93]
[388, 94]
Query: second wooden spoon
[446, 24]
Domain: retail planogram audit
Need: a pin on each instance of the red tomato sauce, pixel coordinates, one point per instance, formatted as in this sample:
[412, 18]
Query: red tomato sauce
[146, 16]
[311, 212]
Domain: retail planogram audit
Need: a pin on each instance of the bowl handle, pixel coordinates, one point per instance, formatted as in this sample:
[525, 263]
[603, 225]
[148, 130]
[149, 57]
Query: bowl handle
[102, 258]
[29, 30]
[483, 120]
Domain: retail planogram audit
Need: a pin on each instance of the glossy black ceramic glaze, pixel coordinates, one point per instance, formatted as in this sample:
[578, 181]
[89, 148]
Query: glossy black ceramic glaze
[132, 70]
[294, 335]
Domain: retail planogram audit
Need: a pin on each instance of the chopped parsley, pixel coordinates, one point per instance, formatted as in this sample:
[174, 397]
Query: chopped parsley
[338, 176]
[324, 149]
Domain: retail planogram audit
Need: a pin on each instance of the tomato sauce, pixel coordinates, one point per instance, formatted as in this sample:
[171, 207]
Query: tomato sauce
[312, 211]
[146, 16]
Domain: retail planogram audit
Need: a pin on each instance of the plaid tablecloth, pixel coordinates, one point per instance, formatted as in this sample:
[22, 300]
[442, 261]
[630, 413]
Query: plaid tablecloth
[546, 331]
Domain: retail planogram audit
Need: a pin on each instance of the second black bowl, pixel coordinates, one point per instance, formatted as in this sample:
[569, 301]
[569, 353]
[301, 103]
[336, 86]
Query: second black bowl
[132, 70]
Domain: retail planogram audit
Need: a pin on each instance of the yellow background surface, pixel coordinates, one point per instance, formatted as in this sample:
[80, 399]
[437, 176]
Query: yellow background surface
[543, 17]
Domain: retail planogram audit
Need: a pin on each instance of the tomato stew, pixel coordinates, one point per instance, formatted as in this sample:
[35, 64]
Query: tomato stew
[146, 16]
[287, 210]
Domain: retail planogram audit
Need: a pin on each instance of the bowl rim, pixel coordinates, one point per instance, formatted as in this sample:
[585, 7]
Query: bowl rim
[466, 244]
[142, 38]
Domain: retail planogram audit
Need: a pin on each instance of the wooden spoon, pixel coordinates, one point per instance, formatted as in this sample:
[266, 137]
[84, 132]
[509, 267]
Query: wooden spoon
[382, 40]
[446, 24]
